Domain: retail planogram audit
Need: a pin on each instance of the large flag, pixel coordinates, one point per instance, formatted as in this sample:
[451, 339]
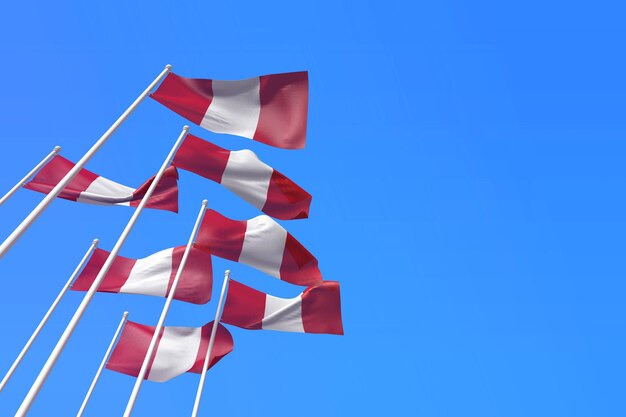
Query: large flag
[179, 350]
[271, 108]
[260, 243]
[87, 187]
[316, 310]
[152, 275]
[243, 173]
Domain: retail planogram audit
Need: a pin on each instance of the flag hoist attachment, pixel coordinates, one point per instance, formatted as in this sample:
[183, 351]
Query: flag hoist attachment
[205, 367]
[166, 307]
[43, 322]
[28, 176]
[54, 356]
[102, 364]
[36, 212]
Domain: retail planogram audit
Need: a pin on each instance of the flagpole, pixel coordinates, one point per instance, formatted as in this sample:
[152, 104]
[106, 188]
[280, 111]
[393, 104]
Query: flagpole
[32, 172]
[207, 358]
[166, 307]
[33, 215]
[102, 364]
[54, 356]
[43, 322]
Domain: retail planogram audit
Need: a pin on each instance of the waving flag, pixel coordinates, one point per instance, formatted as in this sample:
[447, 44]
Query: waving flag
[260, 243]
[152, 275]
[87, 187]
[245, 175]
[271, 108]
[316, 310]
[179, 350]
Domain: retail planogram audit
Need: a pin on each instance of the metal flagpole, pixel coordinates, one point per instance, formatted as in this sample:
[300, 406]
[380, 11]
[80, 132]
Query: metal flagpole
[102, 364]
[207, 358]
[166, 307]
[33, 215]
[43, 322]
[32, 172]
[54, 356]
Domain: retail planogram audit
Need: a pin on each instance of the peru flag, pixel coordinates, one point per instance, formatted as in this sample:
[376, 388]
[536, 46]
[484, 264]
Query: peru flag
[243, 173]
[152, 275]
[179, 350]
[260, 243]
[271, 108]
[87, 187]
[316, 310]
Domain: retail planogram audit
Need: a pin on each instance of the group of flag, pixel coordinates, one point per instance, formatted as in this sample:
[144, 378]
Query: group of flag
[271, 109]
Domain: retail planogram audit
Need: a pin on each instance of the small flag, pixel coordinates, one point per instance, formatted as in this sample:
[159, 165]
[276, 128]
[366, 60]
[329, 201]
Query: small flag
[152, 275]
[271, 108]
[260, 243]
[243, 173]
[87, 187]
[179, 350]
[316, 310]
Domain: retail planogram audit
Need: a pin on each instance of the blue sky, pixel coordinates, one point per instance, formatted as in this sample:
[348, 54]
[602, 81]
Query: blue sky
[466, 166]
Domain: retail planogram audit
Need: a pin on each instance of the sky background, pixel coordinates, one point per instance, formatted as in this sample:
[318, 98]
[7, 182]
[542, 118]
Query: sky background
[466, 161]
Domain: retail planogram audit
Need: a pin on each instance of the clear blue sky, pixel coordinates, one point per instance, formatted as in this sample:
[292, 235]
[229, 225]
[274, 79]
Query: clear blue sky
[466, 161]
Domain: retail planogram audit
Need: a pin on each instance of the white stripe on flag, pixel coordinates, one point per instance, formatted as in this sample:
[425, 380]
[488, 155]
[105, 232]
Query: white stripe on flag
[176, 353]
[248, 177]
[283, 314]
[105, 191]
[263, 245]
[235, 107]
[150, 275]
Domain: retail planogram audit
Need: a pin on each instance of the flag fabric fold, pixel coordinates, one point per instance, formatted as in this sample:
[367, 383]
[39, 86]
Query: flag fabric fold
[260, 243]
[179, 350]
[316, 310]
[271, 108]
[87, 187]
[152, 275]
[243, 173]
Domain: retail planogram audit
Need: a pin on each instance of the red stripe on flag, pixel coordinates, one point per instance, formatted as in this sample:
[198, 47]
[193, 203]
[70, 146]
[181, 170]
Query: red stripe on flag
[54, 171]
[222, 346]
[285, 199]
[114, 279]
[131, 349]
[221, 236]
[321, 309]
[244, 306]
[164, 197]
[299, 266]
[189, 97]
[196, 282]
[203, 158]
[284, 106]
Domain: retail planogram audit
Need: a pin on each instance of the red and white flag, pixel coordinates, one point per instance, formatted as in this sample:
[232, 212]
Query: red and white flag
[271, 108]
[87, 187]
[179, 350]
[152, 275]
[260, 243]
[243, 173]
[316, 310]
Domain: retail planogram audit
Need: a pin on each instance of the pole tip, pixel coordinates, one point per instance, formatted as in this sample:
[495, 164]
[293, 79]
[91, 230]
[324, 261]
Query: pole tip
[57, 149]
[186, 128]
[125, 314]
[95, 241]
[205, 202]
[227, 273]
[168, 66]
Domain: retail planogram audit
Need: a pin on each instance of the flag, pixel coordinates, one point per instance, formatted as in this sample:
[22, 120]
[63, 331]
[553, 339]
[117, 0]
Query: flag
[179, 350]
[271, 108]
[243, 173]
[316, 310]
[260, 243]
[152, 275]
[87, 187]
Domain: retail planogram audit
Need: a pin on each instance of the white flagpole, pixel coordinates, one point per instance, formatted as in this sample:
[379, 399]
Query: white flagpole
[207, 358]
[166, 307]
[102, 364]
[32, 172]
[33, 215]
[54, 356]
[43, 322]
